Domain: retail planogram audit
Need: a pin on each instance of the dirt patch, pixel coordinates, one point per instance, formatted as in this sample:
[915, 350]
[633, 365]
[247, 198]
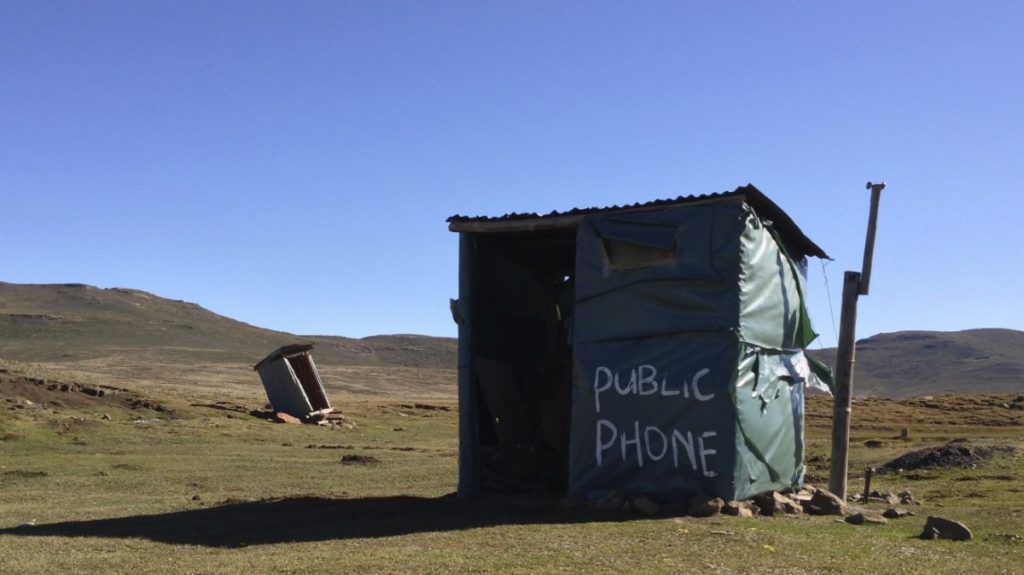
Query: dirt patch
[356, 459]
[959, 454]
[126, 466]
[25, 392]
[72, 425]
[24, 474]
[426, 407]
[987, 478]
[227, 406]
[147, 404]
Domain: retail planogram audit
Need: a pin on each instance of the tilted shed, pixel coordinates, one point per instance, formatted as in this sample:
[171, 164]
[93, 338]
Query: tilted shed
[654, 349]
[293, 383]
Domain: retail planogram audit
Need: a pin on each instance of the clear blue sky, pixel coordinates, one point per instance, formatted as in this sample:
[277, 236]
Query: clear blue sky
[291, 164]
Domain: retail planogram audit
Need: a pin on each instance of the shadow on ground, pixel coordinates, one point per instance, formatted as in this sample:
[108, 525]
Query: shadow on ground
[317, 519]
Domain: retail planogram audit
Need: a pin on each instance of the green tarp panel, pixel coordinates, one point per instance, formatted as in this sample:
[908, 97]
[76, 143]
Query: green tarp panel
[688, 333]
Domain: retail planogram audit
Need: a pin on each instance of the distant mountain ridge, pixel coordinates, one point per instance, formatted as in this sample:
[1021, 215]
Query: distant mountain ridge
[74, 322]
[910, 363]
[69, 322]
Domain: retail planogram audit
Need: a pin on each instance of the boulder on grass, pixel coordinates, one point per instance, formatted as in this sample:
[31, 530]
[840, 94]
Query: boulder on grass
[824, 502]
[866, 519]
[939, 528]
[895, 513]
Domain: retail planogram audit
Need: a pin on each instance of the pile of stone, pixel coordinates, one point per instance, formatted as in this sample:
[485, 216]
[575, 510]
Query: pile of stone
[332, 420]
[810, 500]
[957, 454]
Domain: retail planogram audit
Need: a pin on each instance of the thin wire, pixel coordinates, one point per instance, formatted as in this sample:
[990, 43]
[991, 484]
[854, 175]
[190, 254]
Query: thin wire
[832, 312]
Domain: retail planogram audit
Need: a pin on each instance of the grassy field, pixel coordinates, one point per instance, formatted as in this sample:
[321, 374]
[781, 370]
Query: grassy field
[108, 485]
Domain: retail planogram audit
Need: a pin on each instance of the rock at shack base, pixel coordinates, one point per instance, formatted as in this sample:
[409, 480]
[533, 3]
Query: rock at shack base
[644, 504]
[676, 508]
[706, 506]
[282, 417]
[773, 503]
[741, 509]
[939, 528]
[824, 502]
[614, 500]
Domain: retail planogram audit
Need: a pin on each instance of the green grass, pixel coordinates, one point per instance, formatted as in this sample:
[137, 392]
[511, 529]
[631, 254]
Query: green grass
[220, 491]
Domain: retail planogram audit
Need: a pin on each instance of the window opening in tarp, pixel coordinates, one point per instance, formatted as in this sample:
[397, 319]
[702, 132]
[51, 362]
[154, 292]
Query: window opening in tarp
[626, 255]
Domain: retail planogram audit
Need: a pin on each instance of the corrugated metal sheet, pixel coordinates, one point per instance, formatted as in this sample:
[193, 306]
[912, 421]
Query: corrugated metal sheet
[284, 351]
[794, 238]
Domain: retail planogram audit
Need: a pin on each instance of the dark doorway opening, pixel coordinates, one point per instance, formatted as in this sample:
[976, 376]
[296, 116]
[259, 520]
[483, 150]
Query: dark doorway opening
[522, 358]
[309, 379]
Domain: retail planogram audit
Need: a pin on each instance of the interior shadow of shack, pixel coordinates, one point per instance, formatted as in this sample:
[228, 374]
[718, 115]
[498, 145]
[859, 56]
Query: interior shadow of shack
[651, 349]
[293, 383]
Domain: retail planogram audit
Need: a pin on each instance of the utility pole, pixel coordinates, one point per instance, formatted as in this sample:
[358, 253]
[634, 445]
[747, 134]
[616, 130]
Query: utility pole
[855, 284]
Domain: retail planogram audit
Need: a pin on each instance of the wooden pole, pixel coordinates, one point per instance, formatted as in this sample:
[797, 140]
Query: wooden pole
[867, 483]
[854, 285]
[843, 396]
[869, 241]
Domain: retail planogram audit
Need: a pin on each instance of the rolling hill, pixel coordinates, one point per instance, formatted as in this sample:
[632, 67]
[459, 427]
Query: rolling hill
[908, 363]
[74, 322]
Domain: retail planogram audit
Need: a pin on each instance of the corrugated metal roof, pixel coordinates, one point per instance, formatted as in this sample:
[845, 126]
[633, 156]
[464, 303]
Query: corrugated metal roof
[285, 351]
[794, 238]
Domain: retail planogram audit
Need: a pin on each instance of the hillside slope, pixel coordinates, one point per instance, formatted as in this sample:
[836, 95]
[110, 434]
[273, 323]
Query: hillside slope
[76, 322]
[73, 322]
[909, 363]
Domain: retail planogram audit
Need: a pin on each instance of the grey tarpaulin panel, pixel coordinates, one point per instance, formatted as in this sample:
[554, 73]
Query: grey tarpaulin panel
[697, 291]
[669, 396]
[768, 396]
[655, 358]
[654, 415]
[771, 290]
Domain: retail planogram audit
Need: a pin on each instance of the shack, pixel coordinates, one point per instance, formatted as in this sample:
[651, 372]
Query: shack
[655, 349]
[293, 383]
